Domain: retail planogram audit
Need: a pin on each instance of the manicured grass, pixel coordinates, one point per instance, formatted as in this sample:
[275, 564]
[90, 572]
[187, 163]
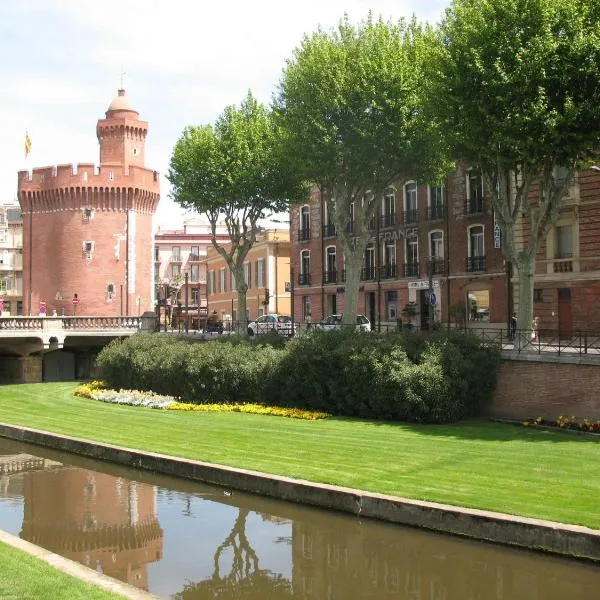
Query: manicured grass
[24, 577]
[477, 464]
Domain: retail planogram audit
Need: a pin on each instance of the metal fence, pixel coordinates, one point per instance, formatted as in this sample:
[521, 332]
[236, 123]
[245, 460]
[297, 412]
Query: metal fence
[518, 341]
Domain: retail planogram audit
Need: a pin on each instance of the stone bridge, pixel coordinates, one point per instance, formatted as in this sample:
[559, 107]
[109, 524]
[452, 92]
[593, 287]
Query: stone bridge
[51, 348]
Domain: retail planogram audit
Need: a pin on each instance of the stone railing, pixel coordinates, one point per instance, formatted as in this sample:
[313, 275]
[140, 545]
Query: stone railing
[69, 323]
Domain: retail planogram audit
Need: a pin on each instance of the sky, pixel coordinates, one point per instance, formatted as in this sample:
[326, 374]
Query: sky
[184, 62]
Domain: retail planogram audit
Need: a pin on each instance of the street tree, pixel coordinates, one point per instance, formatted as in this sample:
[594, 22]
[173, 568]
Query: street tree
[516, 87]
[350, 101]
[234, 173]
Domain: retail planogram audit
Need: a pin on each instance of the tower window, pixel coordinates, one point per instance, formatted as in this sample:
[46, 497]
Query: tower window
[135, 151]
[111, 176]
[88, 247]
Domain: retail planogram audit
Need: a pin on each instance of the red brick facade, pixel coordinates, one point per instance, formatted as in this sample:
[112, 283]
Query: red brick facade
[530, 389]
[88, 230]
[469, 270]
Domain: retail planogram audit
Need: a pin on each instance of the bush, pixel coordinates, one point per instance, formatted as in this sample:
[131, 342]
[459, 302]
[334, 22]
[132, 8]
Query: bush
[442, 377]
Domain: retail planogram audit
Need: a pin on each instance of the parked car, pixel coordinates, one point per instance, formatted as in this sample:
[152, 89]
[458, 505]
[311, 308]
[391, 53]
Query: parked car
[280, 324]
[335, 322]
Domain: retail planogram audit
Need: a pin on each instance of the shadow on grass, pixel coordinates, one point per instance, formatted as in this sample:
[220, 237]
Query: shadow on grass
[482, 429]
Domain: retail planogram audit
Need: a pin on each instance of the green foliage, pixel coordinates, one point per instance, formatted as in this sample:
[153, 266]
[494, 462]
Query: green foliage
[443, 377]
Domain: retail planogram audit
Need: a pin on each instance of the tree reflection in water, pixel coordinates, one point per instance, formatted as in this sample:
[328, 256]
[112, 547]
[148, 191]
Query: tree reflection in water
[245, 579]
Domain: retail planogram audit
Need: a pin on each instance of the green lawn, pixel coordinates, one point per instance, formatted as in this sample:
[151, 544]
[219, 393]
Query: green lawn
[476, 464]
[23, 577]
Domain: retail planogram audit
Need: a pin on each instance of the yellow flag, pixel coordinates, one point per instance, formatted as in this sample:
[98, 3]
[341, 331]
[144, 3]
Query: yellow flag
[27, 145]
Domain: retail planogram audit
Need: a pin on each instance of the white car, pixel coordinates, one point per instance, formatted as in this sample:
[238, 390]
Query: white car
[280, 324]
[335, 322]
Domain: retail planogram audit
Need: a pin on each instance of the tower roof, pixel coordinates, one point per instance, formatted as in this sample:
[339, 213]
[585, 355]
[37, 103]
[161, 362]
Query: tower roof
[120, 104]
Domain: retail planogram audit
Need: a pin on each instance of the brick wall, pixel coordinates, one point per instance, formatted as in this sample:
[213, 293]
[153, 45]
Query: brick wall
[528, 389]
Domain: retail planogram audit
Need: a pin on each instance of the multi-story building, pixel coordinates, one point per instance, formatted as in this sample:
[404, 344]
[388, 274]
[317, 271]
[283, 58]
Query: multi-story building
[448, 235]
[267, 273]
[87, 239]
[179, 252]
[11, 259]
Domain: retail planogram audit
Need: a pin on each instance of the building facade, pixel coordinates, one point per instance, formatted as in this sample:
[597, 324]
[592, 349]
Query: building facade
[267, 273]
[447, 237]
[181, 252]
[11, 259]
[87, 230]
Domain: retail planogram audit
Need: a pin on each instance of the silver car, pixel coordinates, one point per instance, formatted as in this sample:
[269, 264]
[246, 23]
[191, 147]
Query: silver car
[280, 324]
[335, 322]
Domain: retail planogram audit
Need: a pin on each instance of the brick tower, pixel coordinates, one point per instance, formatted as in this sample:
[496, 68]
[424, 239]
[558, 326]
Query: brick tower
[87, 230]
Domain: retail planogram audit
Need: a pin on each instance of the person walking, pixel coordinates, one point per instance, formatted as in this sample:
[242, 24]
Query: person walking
[513, 326]
[535, 330]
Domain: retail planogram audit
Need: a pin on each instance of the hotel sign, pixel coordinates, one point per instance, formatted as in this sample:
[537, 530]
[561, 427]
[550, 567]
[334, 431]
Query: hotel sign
[392, 235]
[422, 284]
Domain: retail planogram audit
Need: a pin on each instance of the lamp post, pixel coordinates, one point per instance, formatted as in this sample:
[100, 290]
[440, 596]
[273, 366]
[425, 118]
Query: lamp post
[186, 302]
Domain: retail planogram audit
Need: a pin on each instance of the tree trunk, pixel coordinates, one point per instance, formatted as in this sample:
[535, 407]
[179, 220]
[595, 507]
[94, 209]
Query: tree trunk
[242, 289]
[525, 264]
[352, 285]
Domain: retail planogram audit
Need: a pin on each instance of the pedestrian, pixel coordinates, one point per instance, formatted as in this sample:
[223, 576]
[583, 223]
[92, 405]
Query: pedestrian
[513, 326]
[535, 330]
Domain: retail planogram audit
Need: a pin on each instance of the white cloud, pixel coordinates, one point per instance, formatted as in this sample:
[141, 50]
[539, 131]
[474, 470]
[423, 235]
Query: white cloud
[185, 61]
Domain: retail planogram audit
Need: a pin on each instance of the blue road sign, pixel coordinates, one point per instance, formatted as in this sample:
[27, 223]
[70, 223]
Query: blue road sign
[432, 299]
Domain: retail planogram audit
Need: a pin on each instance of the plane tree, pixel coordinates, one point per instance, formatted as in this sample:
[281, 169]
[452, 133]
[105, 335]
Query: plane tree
[515, 85]
[234, 173]
[350, 101]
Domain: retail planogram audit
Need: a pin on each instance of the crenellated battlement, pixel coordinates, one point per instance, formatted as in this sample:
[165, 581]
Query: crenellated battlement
[88, 175]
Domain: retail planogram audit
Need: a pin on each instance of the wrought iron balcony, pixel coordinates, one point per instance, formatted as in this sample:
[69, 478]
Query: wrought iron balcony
[438, 266]
[475, 264]
[411, 269]
[435, 212]
[304, 279]
[387, 220]
[304, 234]
[474, 206]
[329, 230]
[388, 271]
[411, 216]
[194, 258]
[367, 273]
[330, 276]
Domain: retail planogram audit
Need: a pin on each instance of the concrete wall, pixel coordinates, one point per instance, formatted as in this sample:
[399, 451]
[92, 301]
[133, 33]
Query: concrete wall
[545, 387]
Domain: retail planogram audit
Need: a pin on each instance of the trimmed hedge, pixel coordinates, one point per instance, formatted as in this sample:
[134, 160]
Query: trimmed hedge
[434, 379]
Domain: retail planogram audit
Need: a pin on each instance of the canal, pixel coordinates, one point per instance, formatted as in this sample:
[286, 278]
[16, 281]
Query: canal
[189, 541]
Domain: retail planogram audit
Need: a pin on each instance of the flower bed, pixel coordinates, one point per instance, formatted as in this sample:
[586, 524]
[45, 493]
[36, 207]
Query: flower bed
[568, 423]
[96, 391]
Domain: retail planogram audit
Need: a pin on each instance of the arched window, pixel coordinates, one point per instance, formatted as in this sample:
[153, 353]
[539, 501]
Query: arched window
[304, 231]
[476, 249]
[304, 278]
[330, 275]
[410, 203]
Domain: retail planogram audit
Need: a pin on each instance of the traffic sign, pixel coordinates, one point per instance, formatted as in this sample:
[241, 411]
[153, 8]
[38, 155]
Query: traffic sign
[75, 300]
[432, 299]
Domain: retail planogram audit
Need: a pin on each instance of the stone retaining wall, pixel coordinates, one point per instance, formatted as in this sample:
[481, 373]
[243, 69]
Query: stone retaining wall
[570, 540]
[548, 387]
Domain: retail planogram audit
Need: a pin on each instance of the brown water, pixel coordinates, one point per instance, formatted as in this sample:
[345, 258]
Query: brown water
[189, 541]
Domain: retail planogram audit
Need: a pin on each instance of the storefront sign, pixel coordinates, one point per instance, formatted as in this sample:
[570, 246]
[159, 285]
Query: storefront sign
[391, 235]
[422, 284]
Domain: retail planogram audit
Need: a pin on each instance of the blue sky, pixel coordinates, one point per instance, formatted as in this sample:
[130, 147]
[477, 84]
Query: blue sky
[185, 60]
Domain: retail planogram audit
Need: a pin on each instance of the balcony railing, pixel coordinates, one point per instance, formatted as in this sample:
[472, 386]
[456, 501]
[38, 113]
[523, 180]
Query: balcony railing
[304, 279]
[330, 276]
[387, 220]
[411, 269]
[475, 264]
[438, 266]
[563, 265]
[329, 230]
[474, 206]
[411, 216]
[435, 212]
[194, 258]
[304, 234]
[176, 258]
[367, 274]
[387, 272]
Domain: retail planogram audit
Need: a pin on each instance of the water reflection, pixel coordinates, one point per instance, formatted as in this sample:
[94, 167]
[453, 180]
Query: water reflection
[188, 541]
